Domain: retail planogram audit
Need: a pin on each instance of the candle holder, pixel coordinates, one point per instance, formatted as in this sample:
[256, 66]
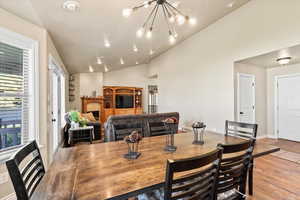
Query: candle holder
[133, 145]
[199, 129]
[170, 125]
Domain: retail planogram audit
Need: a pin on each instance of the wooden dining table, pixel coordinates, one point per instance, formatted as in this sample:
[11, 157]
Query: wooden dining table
[99, 171]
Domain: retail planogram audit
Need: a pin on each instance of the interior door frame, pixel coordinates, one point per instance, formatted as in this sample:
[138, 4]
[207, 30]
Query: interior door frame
[238, 94]
[276, 100]
[54, 67]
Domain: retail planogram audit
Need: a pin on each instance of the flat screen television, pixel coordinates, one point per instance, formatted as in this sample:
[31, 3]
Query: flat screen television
[124, 101]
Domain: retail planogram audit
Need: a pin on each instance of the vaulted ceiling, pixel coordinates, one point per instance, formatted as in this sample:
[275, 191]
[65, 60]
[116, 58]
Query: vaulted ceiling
[79, 36]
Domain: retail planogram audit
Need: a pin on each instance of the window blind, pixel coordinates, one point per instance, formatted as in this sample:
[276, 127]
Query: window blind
[14, 96]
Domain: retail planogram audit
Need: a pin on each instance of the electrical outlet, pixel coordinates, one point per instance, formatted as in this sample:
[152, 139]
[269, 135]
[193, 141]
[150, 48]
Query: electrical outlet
[3, 178]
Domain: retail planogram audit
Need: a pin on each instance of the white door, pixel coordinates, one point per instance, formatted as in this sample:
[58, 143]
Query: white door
[246, 98]
[289, 107]
[55, 111]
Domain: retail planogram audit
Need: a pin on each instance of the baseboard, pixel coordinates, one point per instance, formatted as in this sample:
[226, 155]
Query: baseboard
[262, 137]
[10, 197]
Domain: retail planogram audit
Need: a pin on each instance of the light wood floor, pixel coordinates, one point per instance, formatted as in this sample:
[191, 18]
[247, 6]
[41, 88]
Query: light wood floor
[277, 176]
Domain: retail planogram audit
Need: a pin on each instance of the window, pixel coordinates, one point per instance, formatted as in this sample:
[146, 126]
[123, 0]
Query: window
[17, 91]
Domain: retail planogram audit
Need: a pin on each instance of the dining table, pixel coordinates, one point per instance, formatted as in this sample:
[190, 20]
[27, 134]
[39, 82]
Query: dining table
[99, 171]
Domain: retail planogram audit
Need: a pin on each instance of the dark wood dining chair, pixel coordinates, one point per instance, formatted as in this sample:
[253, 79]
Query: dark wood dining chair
[198, 184]
[158, 128]
[233, 170]
[244, 130]
[26, 180]
[124, 129]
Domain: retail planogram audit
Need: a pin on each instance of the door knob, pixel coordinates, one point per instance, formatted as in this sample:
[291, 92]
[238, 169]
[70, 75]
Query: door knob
[241, 113]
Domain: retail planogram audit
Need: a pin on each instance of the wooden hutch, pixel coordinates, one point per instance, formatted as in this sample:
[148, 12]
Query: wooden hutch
[130, 96]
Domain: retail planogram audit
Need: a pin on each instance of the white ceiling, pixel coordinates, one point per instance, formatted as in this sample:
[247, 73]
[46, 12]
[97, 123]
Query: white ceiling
[269, 60]
[79, 37]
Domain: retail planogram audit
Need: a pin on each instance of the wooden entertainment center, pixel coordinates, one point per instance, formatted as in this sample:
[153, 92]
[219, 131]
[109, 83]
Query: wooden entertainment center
[122, 101]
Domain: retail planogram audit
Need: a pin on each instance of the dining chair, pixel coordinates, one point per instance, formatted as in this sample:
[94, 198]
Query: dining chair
[233, 170]
[26, 170]
[158, 128]
[244, 130]
[190, 178]
[124, 129]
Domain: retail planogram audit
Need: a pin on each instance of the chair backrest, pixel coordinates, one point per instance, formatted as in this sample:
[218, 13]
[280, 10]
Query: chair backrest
[200, 184]
[123, 129]
[240, 129]
[158, 128]
[26, 180]
[234, 166]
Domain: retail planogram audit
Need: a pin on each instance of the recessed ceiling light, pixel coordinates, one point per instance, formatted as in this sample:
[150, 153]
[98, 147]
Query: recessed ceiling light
[231, 4]
[91, 69]
[137, 62]
[99, 61]
[151, 52]
[71, 5]
[135, 49]
[284, 60]
[122, 61]
[107, 43]
[106, 68]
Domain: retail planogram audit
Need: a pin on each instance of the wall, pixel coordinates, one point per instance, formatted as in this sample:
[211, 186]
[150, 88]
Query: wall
[196, 76]
[260, 74]
[271, 74]
[132, 76]
[85, 85]
[18, 25]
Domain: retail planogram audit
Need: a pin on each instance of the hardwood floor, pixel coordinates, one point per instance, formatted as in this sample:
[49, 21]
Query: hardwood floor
[277, 176]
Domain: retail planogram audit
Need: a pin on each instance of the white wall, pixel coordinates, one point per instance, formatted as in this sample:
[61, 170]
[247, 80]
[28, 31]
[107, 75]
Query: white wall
[271, 74]
[85, 84]
[136, 76]
[196, 76]
[18, 25]
[260, 74]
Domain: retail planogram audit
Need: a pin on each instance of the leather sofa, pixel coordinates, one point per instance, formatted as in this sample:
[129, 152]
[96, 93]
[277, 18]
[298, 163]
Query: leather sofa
[117, 127]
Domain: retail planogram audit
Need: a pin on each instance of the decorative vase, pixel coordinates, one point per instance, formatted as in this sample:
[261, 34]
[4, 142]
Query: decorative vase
[170, 124]
[199, 129]
[133, 145]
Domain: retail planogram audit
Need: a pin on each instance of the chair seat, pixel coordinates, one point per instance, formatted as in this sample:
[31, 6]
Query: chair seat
[153, 195]
[231, 195]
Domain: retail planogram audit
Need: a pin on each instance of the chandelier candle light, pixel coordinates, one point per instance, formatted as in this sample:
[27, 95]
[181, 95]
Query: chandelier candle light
[170, 12]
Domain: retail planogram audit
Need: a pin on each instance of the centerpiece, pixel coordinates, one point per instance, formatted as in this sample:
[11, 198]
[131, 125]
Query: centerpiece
[170, 124]
[133, 145]
[199, 129]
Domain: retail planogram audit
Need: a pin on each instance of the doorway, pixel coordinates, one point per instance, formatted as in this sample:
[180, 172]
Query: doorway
[245, 98]
[57, 105]
[288, 107]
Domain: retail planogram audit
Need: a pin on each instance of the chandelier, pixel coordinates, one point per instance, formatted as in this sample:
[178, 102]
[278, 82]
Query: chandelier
[170, 12]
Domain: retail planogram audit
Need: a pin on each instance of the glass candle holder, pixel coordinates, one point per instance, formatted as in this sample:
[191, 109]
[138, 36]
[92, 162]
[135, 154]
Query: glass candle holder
[170, 147]
[133, 151]
[199, 134]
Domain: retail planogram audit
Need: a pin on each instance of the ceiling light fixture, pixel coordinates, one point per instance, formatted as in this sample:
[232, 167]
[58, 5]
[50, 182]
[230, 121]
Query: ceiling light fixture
[71, 5]
[107, 43]
[137, 62]
[122, 61]
[284, 60]
[170, 12]
[99, 61]
[106, 68]
[231, 4]
[135, 49]
[91, 69]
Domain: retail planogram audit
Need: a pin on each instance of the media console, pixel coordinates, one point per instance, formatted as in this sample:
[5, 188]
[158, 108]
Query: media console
[118, 100]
